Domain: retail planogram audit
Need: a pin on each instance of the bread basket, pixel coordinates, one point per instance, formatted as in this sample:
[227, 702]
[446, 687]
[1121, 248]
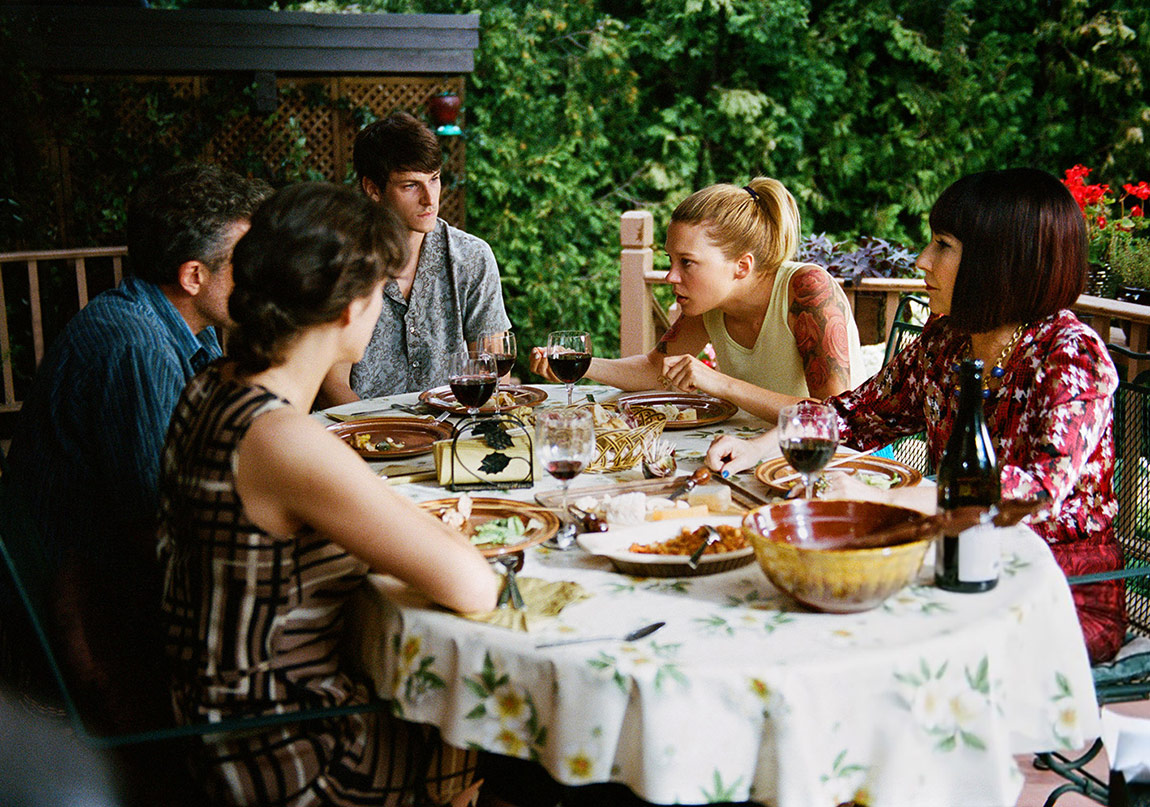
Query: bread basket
[619, 449]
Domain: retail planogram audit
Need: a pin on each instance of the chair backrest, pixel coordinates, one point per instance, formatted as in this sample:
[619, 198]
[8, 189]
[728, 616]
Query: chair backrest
[907, 324]
[1132, 483]
[909, 317]
[30, 572]
[29, 320]
[34, 575]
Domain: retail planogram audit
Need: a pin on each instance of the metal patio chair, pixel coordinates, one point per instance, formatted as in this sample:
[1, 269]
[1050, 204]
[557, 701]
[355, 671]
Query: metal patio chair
[1127, 679]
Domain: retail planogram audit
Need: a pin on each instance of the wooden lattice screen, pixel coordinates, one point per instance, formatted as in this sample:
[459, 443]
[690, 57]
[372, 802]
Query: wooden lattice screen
[328, 127]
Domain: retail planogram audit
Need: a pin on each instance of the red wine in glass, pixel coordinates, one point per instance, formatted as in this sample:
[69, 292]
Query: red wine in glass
[808, 437]
[471, 376]
[565, 470]
[565, 444]
[502, 346]
[569, 357]
[504, 364]
[569, 367]
[473, 391]
[808, 454]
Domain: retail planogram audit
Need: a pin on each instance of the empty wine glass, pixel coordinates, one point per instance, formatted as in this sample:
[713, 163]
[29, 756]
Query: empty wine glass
[565, 443]
[502, 346]
[569, 356]
[471, 375]
[808, 437]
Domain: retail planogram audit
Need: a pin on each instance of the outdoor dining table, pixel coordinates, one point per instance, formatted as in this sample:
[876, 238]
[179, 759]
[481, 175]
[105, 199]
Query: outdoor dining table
[745, 694]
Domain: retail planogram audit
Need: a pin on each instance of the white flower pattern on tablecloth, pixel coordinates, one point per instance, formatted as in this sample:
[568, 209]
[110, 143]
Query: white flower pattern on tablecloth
[948, 705]
[519, 732]
[1064, 723]
[622, 666]
[414, 676]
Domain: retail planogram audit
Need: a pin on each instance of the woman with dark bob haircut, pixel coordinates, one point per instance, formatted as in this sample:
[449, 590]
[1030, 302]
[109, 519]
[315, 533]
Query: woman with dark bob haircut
[269, 522]
[1007, 256]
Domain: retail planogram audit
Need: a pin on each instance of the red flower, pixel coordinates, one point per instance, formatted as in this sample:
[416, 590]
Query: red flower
[1076, 174]
[1101, 222]
[1136, 211]
[1141, 190]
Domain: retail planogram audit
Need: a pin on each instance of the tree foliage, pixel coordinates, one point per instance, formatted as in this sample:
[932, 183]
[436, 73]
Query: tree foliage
[865, 109]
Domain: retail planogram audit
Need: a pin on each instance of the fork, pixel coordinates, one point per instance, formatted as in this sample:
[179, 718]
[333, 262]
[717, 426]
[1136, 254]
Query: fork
[510, 594]
[712, 538]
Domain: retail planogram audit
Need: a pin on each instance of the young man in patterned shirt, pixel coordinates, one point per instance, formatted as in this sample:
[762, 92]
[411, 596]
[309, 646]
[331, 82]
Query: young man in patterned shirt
[448, 294]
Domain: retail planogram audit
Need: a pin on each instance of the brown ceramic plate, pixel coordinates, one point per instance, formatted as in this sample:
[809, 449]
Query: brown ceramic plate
[614, 545]
[708, 409]
[879, 471]
[411, 436]
[443, 399]
[489, 509]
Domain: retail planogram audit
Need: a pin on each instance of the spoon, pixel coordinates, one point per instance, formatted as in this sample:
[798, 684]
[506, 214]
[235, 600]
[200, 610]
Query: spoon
[1006, 513]
[633, 636]
[563, 539]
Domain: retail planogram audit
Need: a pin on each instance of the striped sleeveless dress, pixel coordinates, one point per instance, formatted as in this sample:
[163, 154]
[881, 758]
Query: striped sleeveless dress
[254, 623]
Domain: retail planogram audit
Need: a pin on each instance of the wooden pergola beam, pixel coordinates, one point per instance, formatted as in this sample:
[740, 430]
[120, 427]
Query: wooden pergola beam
[141, 40]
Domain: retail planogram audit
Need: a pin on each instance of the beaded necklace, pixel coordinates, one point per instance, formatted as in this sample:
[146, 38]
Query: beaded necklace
[991, 381]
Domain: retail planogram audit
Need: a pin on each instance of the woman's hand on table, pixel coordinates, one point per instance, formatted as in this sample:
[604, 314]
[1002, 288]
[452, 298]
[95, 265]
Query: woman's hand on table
[689, 374]
[729, 455]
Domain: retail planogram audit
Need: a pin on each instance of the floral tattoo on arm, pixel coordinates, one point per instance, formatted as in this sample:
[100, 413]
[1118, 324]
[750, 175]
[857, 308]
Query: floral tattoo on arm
[819, 323]
[668, 336]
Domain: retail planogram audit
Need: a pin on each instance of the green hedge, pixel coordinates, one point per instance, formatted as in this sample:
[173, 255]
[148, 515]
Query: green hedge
[866, 109]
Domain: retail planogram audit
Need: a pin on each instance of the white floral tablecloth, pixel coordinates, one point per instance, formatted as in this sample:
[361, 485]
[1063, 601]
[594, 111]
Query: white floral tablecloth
[746, 695]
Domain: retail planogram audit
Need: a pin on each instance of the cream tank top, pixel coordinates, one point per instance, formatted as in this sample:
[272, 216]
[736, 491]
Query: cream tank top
[774, 362]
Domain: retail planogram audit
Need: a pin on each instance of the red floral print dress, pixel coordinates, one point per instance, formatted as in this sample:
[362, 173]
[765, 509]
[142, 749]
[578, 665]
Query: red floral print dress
[1050, 421]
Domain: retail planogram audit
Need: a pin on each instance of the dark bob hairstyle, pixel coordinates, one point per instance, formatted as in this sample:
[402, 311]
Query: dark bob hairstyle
[312, 249]
[1024, 247]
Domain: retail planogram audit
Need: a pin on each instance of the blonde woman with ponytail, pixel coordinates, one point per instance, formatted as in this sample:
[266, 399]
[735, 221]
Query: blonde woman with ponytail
[780, 329]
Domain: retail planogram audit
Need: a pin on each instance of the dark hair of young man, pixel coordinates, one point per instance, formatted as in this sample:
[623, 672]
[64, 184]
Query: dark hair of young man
[1024, 252]
[184, 214]
[399, 142]
[312, 249]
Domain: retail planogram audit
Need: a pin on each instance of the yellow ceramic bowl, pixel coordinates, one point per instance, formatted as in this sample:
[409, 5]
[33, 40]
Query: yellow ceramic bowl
[804, 549]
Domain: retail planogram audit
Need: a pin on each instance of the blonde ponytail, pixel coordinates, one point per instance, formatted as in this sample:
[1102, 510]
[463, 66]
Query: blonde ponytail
[760, 218]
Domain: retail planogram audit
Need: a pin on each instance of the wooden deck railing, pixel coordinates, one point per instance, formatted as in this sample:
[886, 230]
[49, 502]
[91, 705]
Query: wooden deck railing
[642, 319]
[30, 307]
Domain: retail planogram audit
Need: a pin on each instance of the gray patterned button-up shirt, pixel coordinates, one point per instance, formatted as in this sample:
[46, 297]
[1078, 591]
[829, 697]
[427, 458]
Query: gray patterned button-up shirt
[455, 299]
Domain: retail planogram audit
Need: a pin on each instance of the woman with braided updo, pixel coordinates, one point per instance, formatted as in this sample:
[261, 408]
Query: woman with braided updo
[269, 522]
[777, 326]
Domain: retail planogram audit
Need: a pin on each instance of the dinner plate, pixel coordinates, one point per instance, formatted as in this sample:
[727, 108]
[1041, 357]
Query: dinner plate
[412, 436]
[614, 544]
[489, 509]
[443, 399]
[879, 471]
[708, 409]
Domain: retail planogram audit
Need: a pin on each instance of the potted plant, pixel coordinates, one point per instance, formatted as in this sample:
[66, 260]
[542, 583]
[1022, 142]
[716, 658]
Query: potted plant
[1130, 263]
[1113, 226]
[867, 257]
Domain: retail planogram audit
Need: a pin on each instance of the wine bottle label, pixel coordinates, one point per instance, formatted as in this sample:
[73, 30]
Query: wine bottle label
[979, 552]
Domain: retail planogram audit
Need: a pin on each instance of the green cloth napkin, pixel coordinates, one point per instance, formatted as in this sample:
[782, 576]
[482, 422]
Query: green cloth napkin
[541, 598]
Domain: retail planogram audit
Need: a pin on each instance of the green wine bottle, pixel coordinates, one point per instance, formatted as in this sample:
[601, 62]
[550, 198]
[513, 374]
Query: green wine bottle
[968, 561]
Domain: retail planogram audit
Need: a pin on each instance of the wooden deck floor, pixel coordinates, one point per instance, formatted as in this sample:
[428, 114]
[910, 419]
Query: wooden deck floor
[1040, 783]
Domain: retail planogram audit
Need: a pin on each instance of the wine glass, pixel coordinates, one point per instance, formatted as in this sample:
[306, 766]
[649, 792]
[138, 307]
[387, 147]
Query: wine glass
[565, 443]
[502, 346]
[471, 375]
[808, 437]
[569, 356]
